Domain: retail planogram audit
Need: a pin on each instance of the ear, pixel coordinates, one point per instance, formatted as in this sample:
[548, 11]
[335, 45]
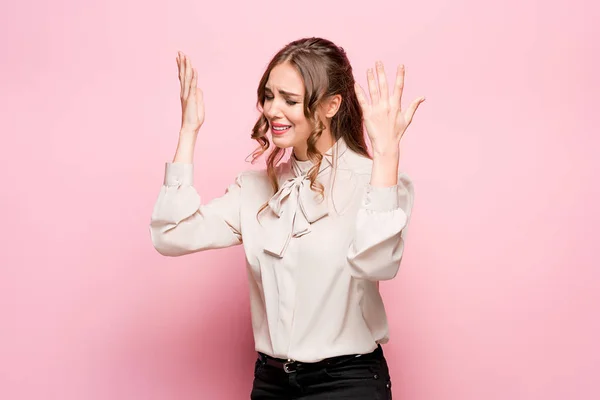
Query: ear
[332, 105]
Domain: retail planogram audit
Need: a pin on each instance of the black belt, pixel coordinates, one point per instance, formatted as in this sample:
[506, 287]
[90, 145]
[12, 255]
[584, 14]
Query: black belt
[290, 366]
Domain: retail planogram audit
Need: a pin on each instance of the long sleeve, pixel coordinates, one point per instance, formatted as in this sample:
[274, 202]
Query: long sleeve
[182, 224]
[376, 250]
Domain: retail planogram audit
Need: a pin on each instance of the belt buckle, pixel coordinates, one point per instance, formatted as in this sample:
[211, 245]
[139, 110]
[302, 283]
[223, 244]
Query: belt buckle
[286, 366]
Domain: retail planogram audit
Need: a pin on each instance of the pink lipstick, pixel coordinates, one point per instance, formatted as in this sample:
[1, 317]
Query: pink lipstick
[279, 129]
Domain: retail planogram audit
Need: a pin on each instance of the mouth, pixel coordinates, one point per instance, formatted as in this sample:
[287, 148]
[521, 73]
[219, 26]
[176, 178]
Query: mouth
[278, 129]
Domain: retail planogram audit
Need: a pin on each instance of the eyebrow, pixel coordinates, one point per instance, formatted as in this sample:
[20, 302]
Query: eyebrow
[283, 92]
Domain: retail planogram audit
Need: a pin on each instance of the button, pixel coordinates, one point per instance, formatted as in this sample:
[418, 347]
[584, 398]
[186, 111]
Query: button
[387, 385]
[375, 376]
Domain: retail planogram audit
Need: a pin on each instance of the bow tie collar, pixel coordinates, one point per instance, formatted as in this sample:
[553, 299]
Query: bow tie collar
[296, 206]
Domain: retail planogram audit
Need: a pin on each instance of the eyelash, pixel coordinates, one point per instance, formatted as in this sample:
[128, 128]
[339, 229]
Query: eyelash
[289, 102]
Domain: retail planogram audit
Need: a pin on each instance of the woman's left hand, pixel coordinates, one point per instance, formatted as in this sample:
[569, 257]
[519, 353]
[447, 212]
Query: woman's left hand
[384, 119]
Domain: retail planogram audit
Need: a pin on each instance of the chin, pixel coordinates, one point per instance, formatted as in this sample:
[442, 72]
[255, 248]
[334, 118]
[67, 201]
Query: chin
[282, 141]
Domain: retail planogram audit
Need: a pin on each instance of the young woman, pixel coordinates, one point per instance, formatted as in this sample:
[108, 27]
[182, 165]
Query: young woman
[319, 229]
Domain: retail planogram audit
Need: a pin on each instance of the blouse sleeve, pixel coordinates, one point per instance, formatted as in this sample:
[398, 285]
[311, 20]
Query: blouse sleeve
[182, 224]
[376, 250]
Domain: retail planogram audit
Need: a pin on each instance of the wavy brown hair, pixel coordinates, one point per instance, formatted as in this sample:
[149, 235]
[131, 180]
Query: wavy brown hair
[325, 71]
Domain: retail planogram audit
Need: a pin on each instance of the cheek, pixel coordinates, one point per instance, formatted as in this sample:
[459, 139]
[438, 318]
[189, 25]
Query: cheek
[297, 117]
[265, 110]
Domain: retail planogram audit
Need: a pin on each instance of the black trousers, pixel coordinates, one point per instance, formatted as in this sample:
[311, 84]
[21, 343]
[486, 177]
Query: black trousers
[365, 377]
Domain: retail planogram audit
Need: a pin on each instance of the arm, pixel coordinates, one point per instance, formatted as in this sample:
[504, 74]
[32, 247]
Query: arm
[376, 250]
[381, 223]
[182, 224]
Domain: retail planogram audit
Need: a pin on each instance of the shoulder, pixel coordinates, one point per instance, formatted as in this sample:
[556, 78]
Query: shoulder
[258, 180]
[252, 178]
[362, 166]
[357, 163]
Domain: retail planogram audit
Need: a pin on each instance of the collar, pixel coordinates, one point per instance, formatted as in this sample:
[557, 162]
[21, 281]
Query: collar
[336, 151]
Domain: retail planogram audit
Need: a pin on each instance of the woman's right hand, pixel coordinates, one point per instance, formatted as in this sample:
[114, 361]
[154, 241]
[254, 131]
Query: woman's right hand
[192, 102]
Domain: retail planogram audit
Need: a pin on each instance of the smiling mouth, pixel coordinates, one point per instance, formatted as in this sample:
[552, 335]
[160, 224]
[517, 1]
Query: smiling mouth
[280, 130]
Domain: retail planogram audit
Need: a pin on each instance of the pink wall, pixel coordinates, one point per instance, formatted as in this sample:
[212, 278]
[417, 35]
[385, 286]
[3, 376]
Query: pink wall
[499, 292]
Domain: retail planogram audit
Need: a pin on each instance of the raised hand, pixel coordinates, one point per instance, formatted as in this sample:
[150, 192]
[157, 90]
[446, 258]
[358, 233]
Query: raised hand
[192, 102]
[384, 119]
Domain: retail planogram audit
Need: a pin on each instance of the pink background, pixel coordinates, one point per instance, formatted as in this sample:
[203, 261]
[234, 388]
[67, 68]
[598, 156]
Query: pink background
[499, 291]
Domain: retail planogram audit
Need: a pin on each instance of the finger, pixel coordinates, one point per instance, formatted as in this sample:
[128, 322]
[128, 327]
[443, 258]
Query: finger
[413, 108]
[181, 58]
[181, 72]
[178, 60]
[194, 83]
[399, 85]
[383, 86]
[199, 100]
[360, 94]
[188, 78]
[372, 87]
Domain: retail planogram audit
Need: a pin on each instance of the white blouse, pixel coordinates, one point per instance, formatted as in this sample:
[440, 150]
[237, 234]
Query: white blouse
[313, 266]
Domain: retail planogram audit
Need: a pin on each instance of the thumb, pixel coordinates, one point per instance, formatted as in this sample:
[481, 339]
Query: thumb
[413, 108]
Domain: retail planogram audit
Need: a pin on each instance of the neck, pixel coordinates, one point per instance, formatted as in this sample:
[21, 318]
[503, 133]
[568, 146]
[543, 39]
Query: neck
[324, 143]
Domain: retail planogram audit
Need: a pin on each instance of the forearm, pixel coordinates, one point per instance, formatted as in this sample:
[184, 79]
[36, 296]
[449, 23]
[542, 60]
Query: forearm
[185, 147]
[384, 172]
[182, 223]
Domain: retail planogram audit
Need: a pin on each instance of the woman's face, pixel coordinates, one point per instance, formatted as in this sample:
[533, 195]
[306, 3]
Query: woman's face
[284, 107]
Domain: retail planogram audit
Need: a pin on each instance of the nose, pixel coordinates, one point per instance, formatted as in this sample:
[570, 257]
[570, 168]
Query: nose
[272, 110]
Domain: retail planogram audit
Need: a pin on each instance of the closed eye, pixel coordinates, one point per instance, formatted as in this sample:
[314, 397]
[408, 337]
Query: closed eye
[289, 102]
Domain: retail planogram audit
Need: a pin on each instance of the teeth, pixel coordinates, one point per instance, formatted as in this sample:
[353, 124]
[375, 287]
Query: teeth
[280, 128]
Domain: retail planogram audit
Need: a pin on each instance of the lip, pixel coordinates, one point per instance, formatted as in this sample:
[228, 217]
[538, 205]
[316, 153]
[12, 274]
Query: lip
[276, 125]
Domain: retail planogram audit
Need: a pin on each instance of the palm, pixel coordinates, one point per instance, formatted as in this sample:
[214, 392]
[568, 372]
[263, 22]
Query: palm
[384, 118]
